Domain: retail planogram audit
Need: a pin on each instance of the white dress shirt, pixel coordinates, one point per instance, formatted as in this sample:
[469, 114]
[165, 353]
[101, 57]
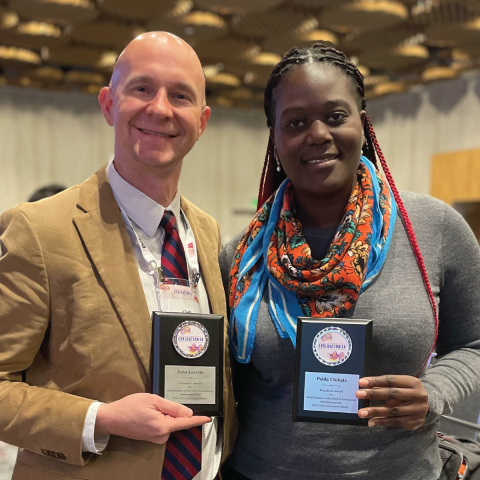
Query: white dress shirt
[144, 215]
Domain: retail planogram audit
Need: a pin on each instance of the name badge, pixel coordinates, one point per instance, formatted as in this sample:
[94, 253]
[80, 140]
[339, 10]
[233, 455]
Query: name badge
[178, 295]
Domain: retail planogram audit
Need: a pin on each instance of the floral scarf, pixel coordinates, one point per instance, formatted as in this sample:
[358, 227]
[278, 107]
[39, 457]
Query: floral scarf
[273, 253]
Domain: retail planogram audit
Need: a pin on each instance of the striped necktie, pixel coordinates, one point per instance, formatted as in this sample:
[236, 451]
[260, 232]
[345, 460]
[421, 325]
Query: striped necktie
[183, 452]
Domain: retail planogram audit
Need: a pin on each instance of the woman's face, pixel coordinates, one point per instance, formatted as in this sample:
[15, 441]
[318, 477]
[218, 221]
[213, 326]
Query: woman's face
[318, 129]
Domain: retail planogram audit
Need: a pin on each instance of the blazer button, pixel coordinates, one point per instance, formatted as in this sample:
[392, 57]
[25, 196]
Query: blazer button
[56, 455]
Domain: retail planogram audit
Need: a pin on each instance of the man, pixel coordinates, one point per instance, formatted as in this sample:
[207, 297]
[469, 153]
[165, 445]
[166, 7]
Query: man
[76, 293]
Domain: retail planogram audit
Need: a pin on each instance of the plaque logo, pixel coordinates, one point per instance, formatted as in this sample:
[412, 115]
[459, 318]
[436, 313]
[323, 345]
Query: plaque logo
[332, 346]
[191, 339]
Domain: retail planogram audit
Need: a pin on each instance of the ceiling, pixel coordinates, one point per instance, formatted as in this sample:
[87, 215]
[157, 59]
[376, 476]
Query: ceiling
[72, 45]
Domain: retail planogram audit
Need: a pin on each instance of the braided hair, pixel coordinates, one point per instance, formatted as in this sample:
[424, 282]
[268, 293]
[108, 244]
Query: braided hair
[271, 178]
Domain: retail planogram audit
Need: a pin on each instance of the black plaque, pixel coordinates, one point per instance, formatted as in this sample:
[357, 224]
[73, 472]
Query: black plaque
[331, 355]
[187, 360]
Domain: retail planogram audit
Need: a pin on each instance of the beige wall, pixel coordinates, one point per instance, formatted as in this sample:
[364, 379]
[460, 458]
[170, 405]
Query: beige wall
[55, 137]
[62, 137]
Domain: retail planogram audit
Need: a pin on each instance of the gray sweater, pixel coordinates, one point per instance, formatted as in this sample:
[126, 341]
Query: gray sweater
[271, 446]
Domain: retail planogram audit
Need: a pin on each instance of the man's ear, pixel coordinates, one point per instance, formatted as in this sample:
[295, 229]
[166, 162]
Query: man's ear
[205, 115]
[105, 99]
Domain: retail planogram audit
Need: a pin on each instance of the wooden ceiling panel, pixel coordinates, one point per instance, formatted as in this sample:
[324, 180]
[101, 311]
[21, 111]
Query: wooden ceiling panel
[395, 59]
[74, 56]
[196, 25]
[243, 38]
[317, 4]
[144, 10]
[106, 33]
[225, 48]
[283, 44]
[268, 24]
[365, 15]
[16, 37]
[238, 6]
[66, 12]
[370, 40]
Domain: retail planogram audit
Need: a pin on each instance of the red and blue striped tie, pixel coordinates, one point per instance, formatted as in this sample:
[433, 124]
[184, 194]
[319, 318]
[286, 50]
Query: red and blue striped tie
[183, 453]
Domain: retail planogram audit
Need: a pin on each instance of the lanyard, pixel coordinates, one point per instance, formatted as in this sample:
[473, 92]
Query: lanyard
[149, 261]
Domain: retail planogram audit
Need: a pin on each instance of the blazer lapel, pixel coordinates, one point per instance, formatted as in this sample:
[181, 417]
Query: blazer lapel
[102, 229]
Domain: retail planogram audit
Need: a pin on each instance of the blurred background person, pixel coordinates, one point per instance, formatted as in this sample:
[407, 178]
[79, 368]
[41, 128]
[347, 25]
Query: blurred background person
[45, 192]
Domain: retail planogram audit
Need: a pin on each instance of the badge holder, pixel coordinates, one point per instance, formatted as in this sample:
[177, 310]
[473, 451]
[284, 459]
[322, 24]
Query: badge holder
[187, 360]
[177, 295]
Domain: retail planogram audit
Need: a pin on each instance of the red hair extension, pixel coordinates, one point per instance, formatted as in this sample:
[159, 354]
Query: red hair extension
[409, 229]
[266, 183]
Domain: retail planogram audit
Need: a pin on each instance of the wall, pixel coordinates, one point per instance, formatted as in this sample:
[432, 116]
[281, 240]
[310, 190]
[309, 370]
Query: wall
[62, 137]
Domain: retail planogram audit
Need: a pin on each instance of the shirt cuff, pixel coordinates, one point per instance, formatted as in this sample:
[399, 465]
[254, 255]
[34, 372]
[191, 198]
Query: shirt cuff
[91, 442]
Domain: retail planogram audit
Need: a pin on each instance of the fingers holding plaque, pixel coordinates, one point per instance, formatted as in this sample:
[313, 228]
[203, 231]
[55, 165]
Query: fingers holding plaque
[332, 355]
[187, 360]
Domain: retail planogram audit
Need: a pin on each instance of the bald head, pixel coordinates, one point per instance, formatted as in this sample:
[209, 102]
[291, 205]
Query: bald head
[162, 47]
[156, 104]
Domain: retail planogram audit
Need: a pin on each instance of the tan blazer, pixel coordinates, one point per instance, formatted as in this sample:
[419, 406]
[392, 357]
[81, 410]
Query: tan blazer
[75, 327]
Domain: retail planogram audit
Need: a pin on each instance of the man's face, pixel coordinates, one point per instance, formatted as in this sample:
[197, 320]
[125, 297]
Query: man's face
[156, 105]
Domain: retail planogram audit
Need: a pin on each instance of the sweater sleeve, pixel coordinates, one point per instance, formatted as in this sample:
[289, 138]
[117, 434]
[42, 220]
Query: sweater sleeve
[455, 374]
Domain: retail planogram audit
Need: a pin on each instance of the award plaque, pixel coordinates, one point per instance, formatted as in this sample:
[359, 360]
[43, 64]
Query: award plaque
[332, 355]
[187, 360]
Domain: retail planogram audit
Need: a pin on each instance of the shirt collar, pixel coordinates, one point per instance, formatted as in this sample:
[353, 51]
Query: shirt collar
[140, 208]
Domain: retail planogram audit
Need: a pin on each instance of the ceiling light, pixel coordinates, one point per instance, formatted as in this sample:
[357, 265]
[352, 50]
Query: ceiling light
[438, 73]
[25, 81]
[93, 89]
[39, 28]
[72, 3]
[319, 36]
[388, 88]
[365, 71]
[206, 19]
[19, 54]
[225, 79]
[266, 58]
[77, 76]
[8, 20]
[223, 102]
[181, 8]
[306, 26]
[242, 94]
[373, 80]
[249, 77]
[50, 73]
[210, 70]
[107, 60]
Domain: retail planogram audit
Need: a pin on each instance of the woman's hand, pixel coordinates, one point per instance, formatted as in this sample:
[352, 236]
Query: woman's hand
[406, 401]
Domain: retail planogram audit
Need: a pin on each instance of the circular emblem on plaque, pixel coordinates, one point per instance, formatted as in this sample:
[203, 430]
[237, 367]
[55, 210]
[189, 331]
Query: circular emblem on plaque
[191, 339]
[332, 346]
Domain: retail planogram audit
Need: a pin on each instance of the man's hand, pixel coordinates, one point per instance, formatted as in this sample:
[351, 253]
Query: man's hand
[406, 401]
[143, 416]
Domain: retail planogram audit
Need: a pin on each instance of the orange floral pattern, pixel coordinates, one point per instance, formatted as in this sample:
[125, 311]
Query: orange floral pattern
[331, 286]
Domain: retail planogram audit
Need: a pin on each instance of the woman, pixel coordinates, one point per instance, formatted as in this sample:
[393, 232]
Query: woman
[327, 242]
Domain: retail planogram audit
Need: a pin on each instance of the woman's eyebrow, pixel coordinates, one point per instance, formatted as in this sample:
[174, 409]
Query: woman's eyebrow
[328, 104]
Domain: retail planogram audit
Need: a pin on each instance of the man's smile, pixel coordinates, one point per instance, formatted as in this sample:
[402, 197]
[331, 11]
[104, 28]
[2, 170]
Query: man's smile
[158, 134]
